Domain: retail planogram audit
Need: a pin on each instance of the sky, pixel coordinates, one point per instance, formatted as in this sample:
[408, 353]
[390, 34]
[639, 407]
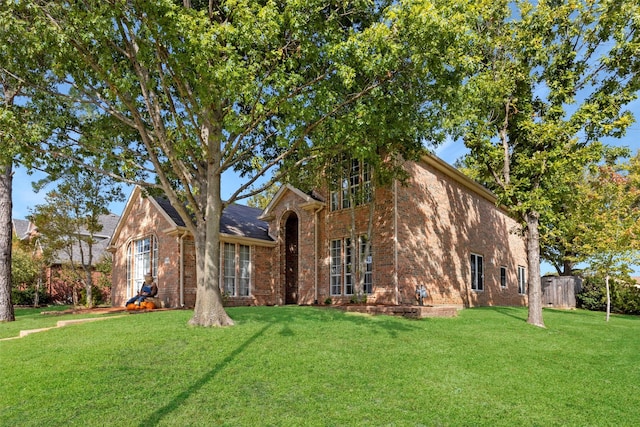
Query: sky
[25, 199]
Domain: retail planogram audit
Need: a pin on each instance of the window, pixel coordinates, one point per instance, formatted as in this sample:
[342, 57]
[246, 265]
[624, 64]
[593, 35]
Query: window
[142, 258]
[368, 260]
[336, 267]
[522, 281]
[503, 277]
[345, 268]
[477, 273]
[236, 270]
[354, 184]
[348, 267]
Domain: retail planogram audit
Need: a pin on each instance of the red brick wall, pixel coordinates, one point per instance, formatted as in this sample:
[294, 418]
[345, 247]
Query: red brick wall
[440, 224]
[142, 220]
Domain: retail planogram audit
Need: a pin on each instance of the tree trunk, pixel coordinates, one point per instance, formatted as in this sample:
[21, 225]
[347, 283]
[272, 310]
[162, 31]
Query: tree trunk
[88, 287]
[6, 231]
[606, 281]
[567, 268]
[533, 255]
[209, 310]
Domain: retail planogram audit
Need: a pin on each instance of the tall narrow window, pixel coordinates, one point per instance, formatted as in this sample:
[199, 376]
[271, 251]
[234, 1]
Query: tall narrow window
[352, 186]
[229, 269]
[245, 271]
[522, 281]
[477, 273]
[367, 258]
[348, 267]
[336, 267]
[142, 259]
[366, 183]
[503, 277]
[237, 270]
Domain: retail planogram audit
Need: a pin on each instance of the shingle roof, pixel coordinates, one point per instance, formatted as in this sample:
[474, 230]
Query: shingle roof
[21, 227]
[99, 247]
[236, 220]
[240, 220]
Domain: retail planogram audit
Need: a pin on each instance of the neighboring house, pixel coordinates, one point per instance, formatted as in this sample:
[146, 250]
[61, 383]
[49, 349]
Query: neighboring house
[63, 288]
[441, 230]
[23, 229]
[60, 287]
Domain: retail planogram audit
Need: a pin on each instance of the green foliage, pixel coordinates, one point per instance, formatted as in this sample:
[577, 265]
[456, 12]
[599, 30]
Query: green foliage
[25, 265]
[98, 296]
[549, 80]
[172, 97]
[625, 295]
[593, 294]
[26, 296]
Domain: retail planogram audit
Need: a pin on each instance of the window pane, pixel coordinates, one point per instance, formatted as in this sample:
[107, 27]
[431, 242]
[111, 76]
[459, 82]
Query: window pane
[477, 279]
[230, 269]
[368, 261]
[245, 271]
[348, 268]
[336, 267]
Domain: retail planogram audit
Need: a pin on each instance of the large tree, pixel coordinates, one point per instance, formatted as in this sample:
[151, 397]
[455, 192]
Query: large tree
[182, 95]
[551, 79]
[561, 226]
[609, 231]
[70, 222]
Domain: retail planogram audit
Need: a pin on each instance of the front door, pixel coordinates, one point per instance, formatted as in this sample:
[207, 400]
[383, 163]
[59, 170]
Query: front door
[291, 259]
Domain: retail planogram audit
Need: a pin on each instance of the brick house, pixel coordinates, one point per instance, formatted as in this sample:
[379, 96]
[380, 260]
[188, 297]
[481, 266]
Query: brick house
[439, 230]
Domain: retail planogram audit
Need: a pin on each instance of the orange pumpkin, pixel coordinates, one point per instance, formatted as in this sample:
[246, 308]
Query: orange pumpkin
[132, 306]
[147, 305]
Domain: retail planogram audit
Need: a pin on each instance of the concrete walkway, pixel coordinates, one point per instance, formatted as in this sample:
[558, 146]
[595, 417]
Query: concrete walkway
[60, 324]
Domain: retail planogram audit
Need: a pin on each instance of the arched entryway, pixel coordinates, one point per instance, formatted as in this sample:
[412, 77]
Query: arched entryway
[291, 259]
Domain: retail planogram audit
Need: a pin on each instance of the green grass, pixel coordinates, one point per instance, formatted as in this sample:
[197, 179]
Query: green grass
[297, 366]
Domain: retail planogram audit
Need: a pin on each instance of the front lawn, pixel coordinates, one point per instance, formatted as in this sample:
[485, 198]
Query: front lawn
[297, 366]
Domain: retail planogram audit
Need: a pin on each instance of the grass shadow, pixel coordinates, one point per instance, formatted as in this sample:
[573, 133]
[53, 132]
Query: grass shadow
[167, 409]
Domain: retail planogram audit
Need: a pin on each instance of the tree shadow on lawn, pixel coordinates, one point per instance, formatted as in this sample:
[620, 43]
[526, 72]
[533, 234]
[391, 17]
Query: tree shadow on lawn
[162, 412]
[292, 315]
[285, 316]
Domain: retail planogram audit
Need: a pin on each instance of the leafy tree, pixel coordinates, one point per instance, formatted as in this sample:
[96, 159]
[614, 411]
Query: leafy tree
[181, 95]
[610, 210]
[560, 232]
[26, 270]
[261, 200]
[7, 141]
[70, 221]
[551, 78]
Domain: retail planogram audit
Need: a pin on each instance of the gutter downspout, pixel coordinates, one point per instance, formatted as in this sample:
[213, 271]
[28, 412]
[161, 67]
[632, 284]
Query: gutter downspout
[182, 269]
[315, 255]
[395, 240]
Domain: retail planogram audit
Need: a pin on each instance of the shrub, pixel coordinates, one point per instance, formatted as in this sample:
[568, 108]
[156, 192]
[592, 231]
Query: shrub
[625, 297]
[593, 295]
[26, 296]
[97, 295]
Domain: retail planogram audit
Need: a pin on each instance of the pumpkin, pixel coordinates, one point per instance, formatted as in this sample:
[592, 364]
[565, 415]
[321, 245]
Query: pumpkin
[132, 306]
[148, 305]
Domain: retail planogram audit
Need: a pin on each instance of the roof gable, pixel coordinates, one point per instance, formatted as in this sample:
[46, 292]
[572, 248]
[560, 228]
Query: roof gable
[308, 202]
[237, 220]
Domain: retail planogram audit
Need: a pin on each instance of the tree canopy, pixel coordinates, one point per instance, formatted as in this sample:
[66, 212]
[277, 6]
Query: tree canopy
[551, 79]
[170, 96]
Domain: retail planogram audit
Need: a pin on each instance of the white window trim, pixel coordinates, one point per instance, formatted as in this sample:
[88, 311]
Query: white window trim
[237, 270]
[522, 280]
[477, 286]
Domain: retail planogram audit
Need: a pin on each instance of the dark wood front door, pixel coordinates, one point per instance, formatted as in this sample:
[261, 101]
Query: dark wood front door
[291, 259]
